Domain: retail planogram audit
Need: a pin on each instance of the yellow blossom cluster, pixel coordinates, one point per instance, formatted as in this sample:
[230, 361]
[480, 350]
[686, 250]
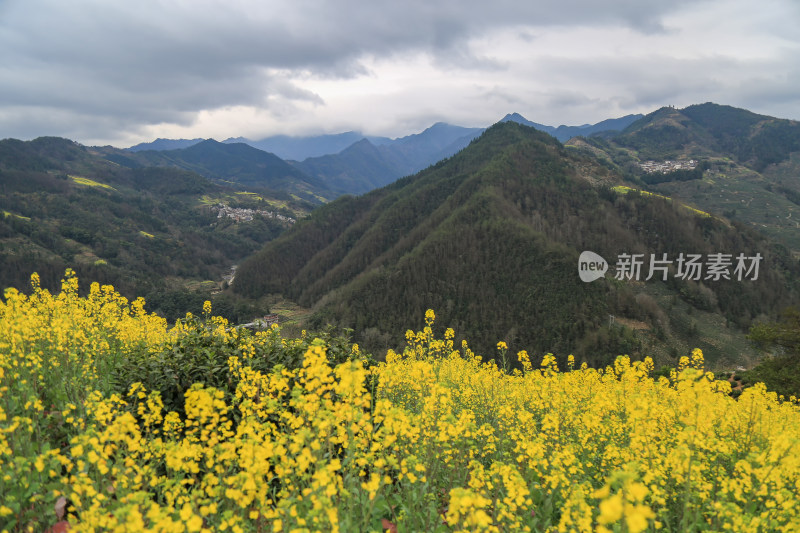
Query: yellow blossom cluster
[433, 439]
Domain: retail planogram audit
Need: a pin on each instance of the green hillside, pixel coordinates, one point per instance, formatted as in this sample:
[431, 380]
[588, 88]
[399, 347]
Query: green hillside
[357, 169]
[490, 239]
[153, 232]
[236, 164]
[748, 171]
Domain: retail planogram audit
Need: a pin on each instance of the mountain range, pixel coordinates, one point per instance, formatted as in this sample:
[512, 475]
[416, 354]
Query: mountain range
[751, 163]
[565, 133]
[484, 226]
[490, 239]
[236, 164]
[346, 163]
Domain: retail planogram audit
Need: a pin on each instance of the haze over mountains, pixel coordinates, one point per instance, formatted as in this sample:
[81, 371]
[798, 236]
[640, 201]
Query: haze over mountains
[302, 147]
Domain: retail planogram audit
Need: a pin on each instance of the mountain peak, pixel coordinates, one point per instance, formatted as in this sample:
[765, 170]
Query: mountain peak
[441, 126]
[514, 117]
[565, 133]
[363, 143]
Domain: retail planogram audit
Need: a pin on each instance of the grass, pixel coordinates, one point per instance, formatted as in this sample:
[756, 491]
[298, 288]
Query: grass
[252, 195]
[205, 285]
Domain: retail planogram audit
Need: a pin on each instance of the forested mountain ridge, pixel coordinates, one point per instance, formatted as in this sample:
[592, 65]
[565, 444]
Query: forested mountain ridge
[300, 148]
[164, 144]
[751, 139]
[357, 169]
[153, 232]
[564, 133]
[457, 237]
[490, 239]
[748, 164]
[236, 164]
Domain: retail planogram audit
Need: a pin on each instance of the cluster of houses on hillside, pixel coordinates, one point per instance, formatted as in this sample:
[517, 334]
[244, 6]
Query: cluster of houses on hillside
[240, 214]
[665, 167]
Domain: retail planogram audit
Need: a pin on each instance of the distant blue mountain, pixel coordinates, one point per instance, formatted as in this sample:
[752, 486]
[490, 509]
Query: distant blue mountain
[423, 149]
[357, 169]
[236, 163]
[374, 162]
[300, 148]
[565, 133]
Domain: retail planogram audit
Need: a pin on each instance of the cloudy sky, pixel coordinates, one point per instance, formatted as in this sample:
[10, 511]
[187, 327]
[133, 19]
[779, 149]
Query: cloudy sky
[122, 72]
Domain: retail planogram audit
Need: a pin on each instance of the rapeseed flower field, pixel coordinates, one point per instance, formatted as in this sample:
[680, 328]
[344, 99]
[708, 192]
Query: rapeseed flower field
[435, 438]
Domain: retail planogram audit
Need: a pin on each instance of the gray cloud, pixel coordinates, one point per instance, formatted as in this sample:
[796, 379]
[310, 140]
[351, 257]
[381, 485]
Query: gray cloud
[654, 80]
[91, 69]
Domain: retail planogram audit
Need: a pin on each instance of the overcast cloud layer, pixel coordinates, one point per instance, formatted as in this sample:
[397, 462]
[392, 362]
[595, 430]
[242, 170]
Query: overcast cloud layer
[122, 72]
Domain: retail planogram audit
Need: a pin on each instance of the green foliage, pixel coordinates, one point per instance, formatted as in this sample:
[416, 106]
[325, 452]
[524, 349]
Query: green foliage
[755, 139]
[753, 163]
[785, 333]
[201, 355]
[772, 144]
[723, 121]
[780, 373]
[657, 141]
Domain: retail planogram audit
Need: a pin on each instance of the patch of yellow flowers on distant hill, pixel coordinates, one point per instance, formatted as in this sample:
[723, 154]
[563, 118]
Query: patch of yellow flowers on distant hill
[624, 189]
[433, 439]
[80, 180]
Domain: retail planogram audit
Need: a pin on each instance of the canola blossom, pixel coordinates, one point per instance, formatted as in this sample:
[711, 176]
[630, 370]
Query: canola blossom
[433, 439]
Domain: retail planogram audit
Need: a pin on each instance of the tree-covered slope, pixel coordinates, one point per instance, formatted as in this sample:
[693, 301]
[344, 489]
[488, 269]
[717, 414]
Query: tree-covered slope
[148, 231]
[712, 129]
[236, 164]
[490, 239]
[748, 164]
[357, 169]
